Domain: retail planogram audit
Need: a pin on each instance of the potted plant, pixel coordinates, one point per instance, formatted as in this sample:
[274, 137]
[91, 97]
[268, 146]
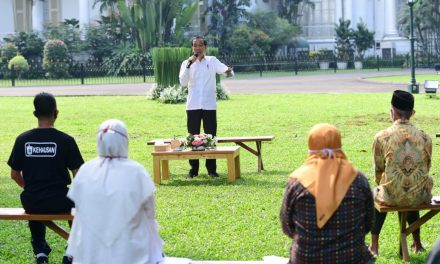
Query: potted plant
[314, 55]
[344, 45]
[323, 59]
[363, 40]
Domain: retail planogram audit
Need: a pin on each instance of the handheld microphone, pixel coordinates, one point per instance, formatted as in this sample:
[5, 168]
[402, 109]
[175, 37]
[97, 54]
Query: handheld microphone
[191, 62]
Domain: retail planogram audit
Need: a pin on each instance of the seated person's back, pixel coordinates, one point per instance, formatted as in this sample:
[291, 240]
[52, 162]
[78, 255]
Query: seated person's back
[114, 199]
[328, 205]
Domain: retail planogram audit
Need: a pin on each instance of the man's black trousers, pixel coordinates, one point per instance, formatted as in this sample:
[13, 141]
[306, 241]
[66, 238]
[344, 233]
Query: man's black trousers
[194, 121]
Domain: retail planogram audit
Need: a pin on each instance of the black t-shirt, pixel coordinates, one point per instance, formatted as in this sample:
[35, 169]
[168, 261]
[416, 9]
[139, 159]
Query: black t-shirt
[44, 155]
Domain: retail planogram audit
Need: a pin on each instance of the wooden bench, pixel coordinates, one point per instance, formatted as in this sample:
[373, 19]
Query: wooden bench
[241, 141]
[20, 214]
[404, 230]
[161, 158]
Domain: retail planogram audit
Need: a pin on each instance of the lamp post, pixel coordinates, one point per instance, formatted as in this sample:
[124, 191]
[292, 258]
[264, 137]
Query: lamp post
[413, 87]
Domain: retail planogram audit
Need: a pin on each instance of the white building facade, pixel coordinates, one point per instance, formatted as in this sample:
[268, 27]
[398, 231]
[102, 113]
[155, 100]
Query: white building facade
[33, 15]
[318, 23]
[380, 16]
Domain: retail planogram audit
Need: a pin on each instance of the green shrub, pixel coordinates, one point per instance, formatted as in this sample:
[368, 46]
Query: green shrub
[166, 63]
[173, 95]
[69, 32]
[221, 92]
[126, 59]
[20, 65]
[155, 91]
[8, 51]
[30, 45]
[98, 43]
[177, 94]
[56, 59]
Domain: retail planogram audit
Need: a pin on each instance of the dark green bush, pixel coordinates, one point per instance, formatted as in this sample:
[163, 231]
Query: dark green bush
[126, 60]
[69, 32]
[56, 59]
[7, 52]
[30, 45]
[98, 42]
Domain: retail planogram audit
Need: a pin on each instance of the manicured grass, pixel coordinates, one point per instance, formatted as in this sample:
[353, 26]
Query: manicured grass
[204, 218]
[420, 78]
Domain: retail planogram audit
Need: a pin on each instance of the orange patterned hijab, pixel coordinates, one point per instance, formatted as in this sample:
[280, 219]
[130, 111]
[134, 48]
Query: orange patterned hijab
[327, 174]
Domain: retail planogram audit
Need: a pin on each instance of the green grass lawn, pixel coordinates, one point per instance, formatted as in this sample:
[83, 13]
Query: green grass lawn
[204, 218]
[420, 78]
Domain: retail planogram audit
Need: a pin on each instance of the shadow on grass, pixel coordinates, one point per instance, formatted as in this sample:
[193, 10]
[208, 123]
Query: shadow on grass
[268, 179]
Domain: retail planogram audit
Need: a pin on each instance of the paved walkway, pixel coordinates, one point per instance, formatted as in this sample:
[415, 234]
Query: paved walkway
[348, 82]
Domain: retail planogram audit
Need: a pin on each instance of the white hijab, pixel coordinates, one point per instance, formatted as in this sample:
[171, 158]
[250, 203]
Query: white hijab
[111, 191]
[112, 140]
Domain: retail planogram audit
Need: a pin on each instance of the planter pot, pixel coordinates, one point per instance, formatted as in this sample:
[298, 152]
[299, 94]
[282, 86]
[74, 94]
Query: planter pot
[342, 65]
[324, 65]
[358, 65]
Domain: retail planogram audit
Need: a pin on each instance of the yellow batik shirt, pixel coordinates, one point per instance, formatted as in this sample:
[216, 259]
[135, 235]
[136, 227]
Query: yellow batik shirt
[402, 159]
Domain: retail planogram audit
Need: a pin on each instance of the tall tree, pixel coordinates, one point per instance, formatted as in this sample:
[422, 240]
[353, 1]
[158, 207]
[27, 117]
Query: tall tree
[344, 45]
[278, 29]
[106, 5]
[225, 15]
[363, 39]
[151, 22]
[293, 9]
[426, 25]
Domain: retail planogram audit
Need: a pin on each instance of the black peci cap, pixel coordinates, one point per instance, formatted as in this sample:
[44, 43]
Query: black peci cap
[402, 100]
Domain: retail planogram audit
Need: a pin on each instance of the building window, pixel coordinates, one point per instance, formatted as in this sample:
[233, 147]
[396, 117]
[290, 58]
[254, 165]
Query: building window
[23, 15]
[318, 22]
[52, 12]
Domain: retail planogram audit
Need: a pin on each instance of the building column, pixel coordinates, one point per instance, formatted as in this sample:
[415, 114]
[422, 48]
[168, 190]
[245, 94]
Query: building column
[37, 15]
[348, 10]
[390, 19]
[84, 15]
[338, 11]
[360, 13]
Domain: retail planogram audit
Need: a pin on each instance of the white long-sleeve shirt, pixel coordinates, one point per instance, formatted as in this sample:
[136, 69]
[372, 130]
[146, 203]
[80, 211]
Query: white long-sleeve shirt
[200, 80]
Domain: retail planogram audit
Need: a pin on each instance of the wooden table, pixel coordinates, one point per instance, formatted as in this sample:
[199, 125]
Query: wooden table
[161, 158]
[241, 141]
[405, 231]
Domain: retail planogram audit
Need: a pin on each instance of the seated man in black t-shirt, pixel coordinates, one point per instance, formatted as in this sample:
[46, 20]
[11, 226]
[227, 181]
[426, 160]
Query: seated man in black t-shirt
[40, 162]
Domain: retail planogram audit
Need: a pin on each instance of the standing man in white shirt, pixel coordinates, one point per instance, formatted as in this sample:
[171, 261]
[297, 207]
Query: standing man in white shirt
[198, 73]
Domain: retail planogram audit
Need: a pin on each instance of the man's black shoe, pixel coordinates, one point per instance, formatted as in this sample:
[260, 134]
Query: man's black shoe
[192, 174]
[67, 260]
[42, 260]
[213, 174]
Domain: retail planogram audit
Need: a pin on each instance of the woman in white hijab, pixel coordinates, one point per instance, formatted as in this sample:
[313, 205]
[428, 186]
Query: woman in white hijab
[114, 200]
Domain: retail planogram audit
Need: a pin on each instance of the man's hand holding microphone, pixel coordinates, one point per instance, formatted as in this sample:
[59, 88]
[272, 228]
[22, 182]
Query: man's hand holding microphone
[191, 60]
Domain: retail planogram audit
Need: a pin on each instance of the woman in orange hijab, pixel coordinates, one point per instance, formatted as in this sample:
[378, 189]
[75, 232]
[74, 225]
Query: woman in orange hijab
[328, 205]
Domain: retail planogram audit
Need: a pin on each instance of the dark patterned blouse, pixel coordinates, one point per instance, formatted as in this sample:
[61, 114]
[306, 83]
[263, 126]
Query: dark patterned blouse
[341, 240]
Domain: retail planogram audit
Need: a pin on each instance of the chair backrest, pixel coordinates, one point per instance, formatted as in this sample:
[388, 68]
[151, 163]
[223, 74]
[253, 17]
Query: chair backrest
[431, 86]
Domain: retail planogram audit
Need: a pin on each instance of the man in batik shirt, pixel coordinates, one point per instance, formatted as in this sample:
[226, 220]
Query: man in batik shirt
[402, 159]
